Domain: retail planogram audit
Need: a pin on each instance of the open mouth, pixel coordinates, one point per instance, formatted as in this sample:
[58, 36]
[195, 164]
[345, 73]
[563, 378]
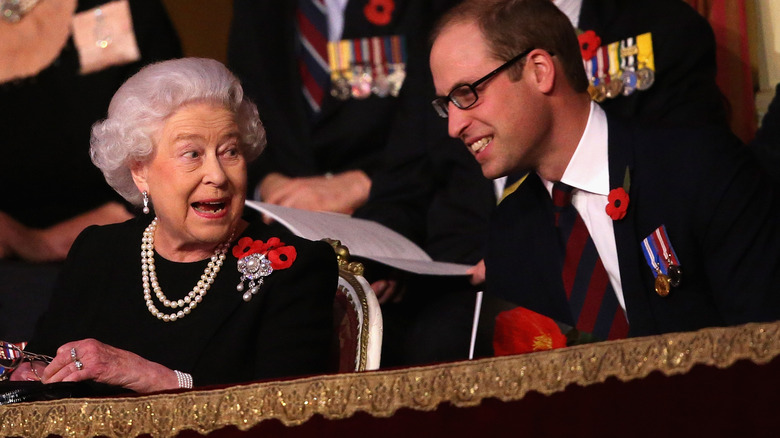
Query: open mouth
[480, 144]
[209, 207]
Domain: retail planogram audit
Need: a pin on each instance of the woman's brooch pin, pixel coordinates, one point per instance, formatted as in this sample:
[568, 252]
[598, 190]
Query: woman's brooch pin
[258, 259]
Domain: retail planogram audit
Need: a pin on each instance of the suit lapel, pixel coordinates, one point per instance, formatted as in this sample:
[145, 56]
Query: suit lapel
[621, 155]
[523, 251]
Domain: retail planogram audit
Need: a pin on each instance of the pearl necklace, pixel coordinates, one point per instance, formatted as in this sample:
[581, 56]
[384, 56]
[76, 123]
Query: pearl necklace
[149, 277]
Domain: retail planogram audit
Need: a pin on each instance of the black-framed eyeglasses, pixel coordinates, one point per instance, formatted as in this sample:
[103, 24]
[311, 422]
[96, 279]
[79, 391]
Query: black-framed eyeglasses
[465, 96]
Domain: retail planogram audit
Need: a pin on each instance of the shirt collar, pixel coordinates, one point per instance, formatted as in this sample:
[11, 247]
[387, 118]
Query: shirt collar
[588, 168]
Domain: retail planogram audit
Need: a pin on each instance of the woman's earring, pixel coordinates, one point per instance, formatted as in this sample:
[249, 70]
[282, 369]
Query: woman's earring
[145, 194]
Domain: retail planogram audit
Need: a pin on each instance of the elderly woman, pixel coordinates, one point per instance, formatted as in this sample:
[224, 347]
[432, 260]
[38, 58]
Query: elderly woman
[191, 291]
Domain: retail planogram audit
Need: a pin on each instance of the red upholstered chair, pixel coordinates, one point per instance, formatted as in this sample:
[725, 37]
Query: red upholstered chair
[357, 317]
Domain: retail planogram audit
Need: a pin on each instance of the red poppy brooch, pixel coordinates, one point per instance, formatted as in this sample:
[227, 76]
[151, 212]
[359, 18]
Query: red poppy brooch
[618, 199]
[589, 44]
[258, 259]
[379, 12]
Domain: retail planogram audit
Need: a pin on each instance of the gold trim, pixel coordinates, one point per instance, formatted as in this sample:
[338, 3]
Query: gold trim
[381, 393]
[348, 271]
[364, 324]
[342, 254]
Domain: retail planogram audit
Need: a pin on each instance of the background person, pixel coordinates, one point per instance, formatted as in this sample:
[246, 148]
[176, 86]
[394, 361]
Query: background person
[178, 137]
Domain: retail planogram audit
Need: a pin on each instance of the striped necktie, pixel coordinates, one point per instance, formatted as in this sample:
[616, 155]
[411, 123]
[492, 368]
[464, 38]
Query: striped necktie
[592, 300]
[312, 22]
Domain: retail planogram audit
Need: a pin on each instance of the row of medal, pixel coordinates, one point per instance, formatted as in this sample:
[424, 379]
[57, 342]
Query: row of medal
[621, 68]
[365, 66]
[663, 261]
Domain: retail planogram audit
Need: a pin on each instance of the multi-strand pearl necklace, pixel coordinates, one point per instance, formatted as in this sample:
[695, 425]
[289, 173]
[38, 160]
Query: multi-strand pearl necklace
[149, 277]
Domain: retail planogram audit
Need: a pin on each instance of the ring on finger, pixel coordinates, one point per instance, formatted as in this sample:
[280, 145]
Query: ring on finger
[73, 354]
[79, 364]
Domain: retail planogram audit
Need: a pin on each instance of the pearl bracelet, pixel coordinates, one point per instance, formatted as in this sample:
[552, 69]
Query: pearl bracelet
[185, 380]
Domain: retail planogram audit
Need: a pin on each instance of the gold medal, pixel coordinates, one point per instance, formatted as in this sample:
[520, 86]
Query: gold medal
[662, 285]
[595, 93]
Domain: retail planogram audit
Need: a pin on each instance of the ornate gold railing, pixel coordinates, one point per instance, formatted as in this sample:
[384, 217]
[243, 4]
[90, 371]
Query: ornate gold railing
[382, 393]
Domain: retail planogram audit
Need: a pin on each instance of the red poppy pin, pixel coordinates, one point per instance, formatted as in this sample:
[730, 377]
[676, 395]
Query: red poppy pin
[379, 12]
[618, 199]
[589, 44]
[258, 259]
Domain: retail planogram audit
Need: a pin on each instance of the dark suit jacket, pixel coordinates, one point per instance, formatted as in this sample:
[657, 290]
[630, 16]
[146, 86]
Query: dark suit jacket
[284, 330]
[720, 213]
[685, 92]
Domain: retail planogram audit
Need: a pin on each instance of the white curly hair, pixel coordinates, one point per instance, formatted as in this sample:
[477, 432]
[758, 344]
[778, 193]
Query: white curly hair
[140, 107]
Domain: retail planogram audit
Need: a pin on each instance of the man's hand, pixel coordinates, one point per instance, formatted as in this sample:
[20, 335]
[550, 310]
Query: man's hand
[340, 193]
[53, 243]
[477, 273]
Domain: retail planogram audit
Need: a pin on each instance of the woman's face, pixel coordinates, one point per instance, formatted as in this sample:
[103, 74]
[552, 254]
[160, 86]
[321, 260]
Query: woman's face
[196, 179]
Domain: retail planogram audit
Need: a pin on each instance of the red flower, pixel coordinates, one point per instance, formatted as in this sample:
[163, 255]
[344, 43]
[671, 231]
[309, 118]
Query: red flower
[524, 331]
[247, 246]
[282, 257]
[589, 44]
[379, 12]
[618, 203]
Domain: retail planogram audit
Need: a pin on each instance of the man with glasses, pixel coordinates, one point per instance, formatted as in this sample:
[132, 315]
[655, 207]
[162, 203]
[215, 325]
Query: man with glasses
[670, 230]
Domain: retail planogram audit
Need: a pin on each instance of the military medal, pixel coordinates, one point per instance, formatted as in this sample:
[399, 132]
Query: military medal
[380, 86]
[673, 268]
[663, 260]
[675, 275]
[614, 80]
[340, 88]
[662, 285]
[361, 78]
[628, 52]
[398, 66]
[594, 89]
[601, 67]
[644, 78]
[646, 73]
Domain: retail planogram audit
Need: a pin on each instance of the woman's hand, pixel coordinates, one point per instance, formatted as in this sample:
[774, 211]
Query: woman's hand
[106, 364]
[28, 371]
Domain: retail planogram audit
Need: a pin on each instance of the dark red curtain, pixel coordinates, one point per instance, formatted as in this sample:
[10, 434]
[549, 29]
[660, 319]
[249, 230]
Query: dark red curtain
[729, 22]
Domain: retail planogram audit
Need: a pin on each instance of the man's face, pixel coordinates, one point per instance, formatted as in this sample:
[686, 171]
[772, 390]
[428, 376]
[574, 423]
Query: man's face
[505, 127]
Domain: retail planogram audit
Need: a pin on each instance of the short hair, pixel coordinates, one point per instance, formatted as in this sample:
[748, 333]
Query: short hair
[143, 103]
[512, 26]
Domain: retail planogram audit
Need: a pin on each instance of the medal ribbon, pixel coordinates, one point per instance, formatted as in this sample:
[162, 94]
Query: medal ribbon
[603, 64]
[651, 255]
[614, 59]
[661, 241]
[333, 61]
[644, 43]
[628, 52]
[345, 59]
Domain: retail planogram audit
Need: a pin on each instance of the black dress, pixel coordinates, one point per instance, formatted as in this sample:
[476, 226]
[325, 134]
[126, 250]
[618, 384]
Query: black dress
[284, 330]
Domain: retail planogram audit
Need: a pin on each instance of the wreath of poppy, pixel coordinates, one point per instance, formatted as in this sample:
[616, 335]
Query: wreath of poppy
[589, 44]
[280, 255]
[618, 203]
[379, 12]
